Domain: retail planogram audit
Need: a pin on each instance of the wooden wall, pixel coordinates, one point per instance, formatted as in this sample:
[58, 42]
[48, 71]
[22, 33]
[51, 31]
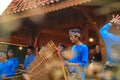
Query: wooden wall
[55, 26]
[21, 35]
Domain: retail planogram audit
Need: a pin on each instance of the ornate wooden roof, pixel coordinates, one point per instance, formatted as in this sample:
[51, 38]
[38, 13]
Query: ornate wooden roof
[17, 6]
[27, 8]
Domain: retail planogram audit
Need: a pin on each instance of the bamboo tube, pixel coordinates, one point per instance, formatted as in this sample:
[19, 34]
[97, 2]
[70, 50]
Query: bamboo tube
[46, 62]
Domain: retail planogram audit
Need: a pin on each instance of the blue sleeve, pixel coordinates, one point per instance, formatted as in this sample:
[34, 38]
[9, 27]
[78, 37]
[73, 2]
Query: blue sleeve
[28, 61]
[12, 70]
[84, 61]
[17, 63]
[25, 63]
[32, 58]
[104, 32]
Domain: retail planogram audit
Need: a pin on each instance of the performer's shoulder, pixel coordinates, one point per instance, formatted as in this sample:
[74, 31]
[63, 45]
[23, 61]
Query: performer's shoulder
[84, 45]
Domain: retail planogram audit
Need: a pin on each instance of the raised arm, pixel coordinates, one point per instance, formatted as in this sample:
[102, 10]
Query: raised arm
[104, 31]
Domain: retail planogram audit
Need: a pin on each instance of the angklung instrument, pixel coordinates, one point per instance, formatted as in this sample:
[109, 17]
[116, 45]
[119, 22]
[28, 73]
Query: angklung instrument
[48, 65]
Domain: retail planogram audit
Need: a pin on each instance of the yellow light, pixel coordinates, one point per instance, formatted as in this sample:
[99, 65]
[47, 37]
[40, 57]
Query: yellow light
[20, 48]
[91, 40]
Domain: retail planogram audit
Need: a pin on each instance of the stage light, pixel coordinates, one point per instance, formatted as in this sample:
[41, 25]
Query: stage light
[20, 48]
[91, 40]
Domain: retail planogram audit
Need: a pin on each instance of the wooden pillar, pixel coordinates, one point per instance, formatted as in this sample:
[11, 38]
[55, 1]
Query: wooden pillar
[85, 32]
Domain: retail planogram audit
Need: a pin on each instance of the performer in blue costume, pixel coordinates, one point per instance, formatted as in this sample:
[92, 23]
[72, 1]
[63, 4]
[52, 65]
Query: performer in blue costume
[112, 41]
[12, 58]
[30, 57]
[79, 52]
[7, 68]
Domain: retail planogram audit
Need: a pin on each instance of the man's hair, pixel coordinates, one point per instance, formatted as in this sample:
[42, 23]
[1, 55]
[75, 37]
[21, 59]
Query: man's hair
[75, 31]
[62, 46]
[93, 46]
[30, 47]
[11, 51]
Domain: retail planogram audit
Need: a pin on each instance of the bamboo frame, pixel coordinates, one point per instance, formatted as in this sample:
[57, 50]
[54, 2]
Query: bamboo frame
[46, 61]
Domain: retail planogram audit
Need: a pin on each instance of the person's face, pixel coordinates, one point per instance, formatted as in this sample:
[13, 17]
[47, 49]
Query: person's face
[60, 48]
[10, 54]
[92, 51]
[97, 48]
[3, 57]
[29, 51]
[73, 39]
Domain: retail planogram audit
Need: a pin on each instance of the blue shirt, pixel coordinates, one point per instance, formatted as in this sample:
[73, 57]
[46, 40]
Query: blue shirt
[15, 61]
[80, 56]
[112, 44]
[28, 60]
[7, 68]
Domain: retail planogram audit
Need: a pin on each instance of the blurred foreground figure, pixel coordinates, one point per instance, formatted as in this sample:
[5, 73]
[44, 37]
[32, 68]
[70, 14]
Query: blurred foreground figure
[112, 42]
[94, 71]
